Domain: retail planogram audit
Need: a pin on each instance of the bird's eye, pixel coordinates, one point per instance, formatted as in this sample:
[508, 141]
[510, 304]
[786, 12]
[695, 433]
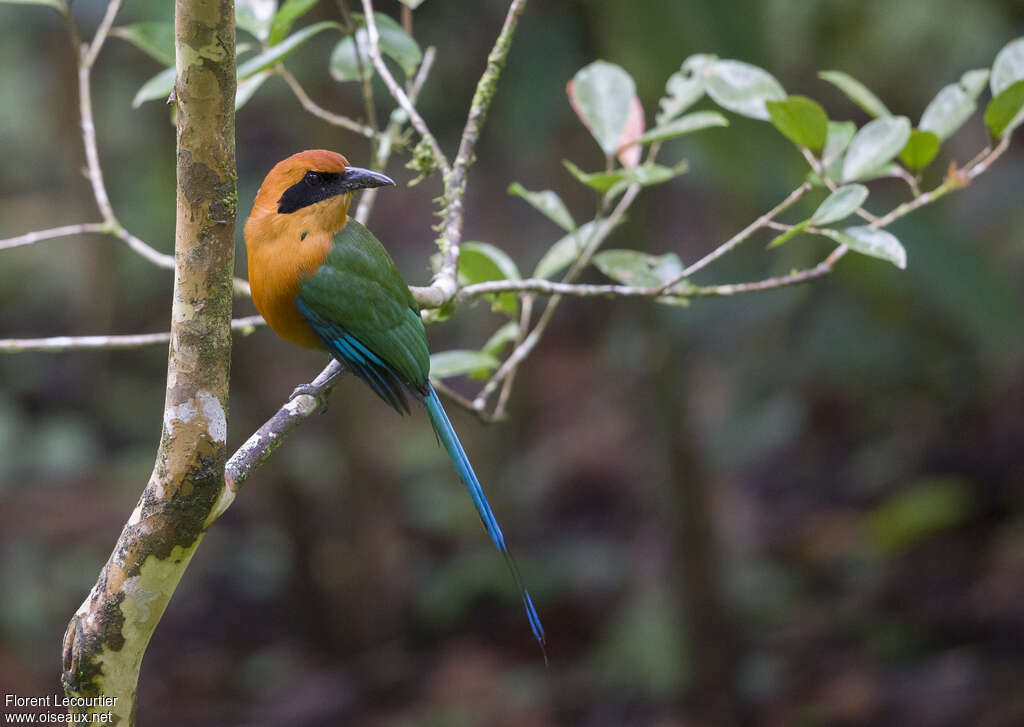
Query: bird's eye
[313, 179]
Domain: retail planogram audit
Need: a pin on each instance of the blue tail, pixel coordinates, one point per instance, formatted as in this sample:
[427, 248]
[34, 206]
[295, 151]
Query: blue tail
[450, 440]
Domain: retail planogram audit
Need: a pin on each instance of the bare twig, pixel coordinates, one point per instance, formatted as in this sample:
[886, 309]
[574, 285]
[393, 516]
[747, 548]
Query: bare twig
[373, 41]
[819, 169]
[740, 236]
[601, 231]
[31, 238]
[445, 282]
[391, 133]
[321, 113]
[85, 57]
[60, 344]
[365, 76]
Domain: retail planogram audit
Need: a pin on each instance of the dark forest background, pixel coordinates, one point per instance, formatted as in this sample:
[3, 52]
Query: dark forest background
[794, 508]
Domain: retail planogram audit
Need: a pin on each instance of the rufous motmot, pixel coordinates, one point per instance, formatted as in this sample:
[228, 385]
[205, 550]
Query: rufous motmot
[345, 295]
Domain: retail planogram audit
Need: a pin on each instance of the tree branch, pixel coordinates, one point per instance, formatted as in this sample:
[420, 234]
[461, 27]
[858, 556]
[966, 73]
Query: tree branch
[321, 113]
[107, 638]
[391, 133]
[445, 283]
[30, 238]
[373, 41]
[62, 344]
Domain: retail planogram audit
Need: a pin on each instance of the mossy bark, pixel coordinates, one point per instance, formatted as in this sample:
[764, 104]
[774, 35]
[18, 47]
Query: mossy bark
[107, 637]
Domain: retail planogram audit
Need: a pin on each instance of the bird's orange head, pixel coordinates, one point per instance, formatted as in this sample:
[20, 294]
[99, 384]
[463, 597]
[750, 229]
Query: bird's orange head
[311, 190]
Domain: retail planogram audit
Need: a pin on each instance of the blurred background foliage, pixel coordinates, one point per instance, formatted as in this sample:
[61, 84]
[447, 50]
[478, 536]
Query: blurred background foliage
[802, 507]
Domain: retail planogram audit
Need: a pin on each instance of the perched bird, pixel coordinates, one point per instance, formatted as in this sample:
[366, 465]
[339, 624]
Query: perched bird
[343, 293]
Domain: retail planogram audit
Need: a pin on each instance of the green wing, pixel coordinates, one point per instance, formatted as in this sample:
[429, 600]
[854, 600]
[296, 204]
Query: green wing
[361, 310]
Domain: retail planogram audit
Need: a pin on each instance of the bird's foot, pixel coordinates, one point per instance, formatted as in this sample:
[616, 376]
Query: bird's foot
[316, 392]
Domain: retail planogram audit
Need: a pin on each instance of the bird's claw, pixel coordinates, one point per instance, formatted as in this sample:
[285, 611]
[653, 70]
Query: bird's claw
[309, 390]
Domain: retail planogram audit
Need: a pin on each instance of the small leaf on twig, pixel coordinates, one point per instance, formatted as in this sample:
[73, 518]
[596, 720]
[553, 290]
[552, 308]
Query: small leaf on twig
[612, 182]
[801, 120]
[395, 43]
[840, 204]
[255, 16]
[564, 252]
[696, 121]
[480, 262]
[546, 202]
[632, 267]
[683, 88]
[291, 10]
[1006, 111]
[741, 87]
[276, 53]
[856, 92]
[156, 39]
[460, 361]
[869, 241]
[629, 149]
[874, 146]
[501, 338]
[601, 94]
[158, 87]
[1008, 67]
[921, 148]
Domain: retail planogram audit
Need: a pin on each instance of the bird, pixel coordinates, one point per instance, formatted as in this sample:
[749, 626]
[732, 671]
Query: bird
[322, 280]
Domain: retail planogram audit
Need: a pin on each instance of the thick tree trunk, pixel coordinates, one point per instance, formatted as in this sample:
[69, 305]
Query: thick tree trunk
[106, 639]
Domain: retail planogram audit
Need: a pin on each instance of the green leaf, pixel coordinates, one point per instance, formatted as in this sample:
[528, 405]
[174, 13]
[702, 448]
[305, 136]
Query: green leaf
[564, 252]
[601, 95]
[501, 338]
[344, 65]
[696, 121]
[460, 361]
[57, 5]
[840, 204]
[247, 88]
[1006, 111]
[607, 182]
[947, 112]
[974, 81]
[547, 203]
[151, 37]
[742, 88]
[925, 509]
[856, 92]
[631, 267]
[789, 234]
[840, 133]
[480, 262]
[683, 88]
[921, 148]
[277, 53]
[800, 120]
[255, 16]
[1008, 67]
[875, 145]
[869, 241]
[159, 86]
[394, 43]
[290, 11]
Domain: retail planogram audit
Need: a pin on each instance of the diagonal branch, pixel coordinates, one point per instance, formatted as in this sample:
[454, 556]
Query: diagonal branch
[373, 41]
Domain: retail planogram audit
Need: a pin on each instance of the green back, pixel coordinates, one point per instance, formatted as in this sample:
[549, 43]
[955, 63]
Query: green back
[359, 290]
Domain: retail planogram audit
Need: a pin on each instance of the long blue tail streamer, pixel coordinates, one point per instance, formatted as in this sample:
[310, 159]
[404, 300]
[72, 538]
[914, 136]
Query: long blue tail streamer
[443, 427]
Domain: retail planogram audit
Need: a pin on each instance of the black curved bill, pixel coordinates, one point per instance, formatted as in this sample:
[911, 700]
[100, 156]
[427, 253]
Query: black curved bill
[359, 178]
